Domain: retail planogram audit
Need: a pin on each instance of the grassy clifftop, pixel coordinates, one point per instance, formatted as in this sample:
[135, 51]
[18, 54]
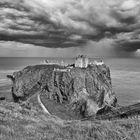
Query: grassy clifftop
[18, 123]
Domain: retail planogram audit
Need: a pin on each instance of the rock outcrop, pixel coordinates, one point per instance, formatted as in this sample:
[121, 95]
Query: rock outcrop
[86, 90]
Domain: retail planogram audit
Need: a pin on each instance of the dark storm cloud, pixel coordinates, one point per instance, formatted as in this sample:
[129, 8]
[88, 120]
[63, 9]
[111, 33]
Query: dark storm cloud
[129, 42]
[19, 23]
[68, 23]
[130, 46]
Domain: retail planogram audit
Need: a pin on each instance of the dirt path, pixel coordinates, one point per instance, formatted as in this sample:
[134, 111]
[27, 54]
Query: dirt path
[41, 104]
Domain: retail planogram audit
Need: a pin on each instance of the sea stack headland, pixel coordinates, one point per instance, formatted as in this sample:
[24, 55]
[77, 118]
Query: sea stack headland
[85, 87]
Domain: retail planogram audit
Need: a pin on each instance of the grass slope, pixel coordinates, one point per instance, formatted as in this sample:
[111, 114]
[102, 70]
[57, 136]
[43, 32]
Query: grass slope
[18, 123]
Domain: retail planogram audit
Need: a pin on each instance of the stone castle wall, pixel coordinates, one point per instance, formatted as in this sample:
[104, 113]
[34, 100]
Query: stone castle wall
[81, 61]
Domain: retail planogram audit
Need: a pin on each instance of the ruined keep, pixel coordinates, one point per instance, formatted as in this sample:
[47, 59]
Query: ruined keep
[81, 61]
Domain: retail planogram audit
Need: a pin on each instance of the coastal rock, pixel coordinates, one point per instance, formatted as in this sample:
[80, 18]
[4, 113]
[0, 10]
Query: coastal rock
[86, 90]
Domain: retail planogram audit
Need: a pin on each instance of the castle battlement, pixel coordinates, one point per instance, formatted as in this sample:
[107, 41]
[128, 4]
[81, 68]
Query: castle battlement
[98, 63]
[82, 61]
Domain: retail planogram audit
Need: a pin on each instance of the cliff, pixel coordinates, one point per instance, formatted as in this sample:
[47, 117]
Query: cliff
[84, 90]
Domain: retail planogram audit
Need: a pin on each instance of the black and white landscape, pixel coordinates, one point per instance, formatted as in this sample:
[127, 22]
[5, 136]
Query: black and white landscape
[69, 69]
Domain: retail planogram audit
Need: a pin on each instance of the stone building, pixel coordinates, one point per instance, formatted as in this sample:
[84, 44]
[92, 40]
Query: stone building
[81, 61]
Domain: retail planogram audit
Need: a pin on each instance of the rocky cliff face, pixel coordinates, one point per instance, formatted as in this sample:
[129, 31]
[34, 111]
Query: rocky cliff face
[86, 90]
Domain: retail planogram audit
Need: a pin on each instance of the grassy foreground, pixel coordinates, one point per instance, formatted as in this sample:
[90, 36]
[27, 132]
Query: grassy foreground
[18, 123]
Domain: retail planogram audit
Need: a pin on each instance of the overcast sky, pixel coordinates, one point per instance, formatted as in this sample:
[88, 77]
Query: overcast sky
[66, 28]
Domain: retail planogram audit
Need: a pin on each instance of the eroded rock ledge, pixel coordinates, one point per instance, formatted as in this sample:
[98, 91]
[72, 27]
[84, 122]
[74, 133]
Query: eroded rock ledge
[85, 90]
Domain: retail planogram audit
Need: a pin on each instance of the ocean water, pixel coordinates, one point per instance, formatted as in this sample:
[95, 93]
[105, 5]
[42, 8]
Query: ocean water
[125, 74]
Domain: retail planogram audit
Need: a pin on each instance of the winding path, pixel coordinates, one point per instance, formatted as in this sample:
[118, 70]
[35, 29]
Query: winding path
[41, 104]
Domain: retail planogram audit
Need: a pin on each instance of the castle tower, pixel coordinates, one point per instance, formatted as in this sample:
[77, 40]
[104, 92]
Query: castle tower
[81, 61]
[85, 62]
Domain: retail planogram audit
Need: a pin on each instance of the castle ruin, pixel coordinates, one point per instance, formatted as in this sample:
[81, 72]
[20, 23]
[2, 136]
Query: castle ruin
[81, 61]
